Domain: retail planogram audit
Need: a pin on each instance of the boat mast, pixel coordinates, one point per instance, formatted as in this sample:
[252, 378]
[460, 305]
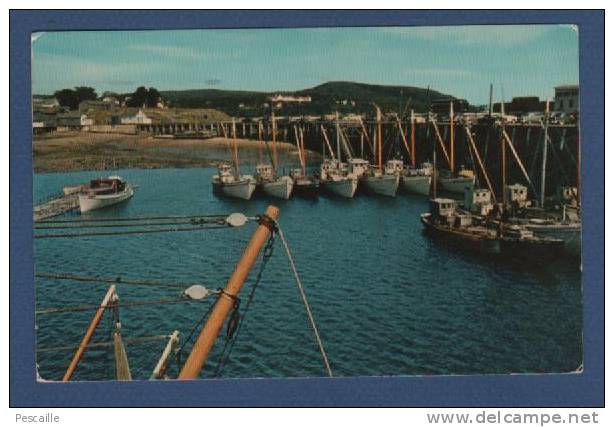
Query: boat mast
[235, 148]
[379, 139]
[542, 189]
[260, 141]
[503, 171]
[302, 150]
[413, 140]
[452, 136]
[338, 131]
[274, 141]
[434, 166]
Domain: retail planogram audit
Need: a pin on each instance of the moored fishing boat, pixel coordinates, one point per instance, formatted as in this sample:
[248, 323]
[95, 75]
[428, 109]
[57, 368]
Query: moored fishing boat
[520, 241]
[103, 192]
[304, 185]
[336, 180]
[417, 180]
[273, 185]
[445, 221]
[268, 180]
[451, 182]
[380, 180]
[229, 181]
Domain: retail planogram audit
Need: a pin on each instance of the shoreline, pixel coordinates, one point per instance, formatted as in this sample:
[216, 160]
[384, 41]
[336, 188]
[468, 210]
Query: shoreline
[84, 151]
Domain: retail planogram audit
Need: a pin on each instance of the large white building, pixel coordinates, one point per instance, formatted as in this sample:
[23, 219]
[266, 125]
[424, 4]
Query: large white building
[566, 99]
[137, 119]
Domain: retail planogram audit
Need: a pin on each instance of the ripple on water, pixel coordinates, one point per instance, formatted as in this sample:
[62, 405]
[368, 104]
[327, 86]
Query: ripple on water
[388, 300]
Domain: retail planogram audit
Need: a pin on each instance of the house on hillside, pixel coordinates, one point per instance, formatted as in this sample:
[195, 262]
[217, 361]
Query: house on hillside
[138, 118]
[73, 120]
[97, 105]
[42, 123]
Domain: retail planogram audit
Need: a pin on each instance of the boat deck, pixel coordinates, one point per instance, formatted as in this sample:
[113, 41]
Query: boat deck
[57, 206]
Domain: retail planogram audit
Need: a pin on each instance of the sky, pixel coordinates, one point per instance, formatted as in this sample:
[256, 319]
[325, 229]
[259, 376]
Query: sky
[461, 60]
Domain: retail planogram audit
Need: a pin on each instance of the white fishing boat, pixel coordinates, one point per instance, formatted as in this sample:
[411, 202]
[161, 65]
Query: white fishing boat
[335, 179]
[304, 185]
[103, 192]
[229, 181]
[335, 176]
[381, 184]
[230, 184]
[450, 182]
[417, 180]
[380, 180]
[266, 174]
[273, 185]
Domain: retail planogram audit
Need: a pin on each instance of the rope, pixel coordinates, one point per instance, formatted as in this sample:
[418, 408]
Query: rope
[134, 218]
[71, 277]
[189, 339]
[135, 340]
[113, 305]
[192, 221]
[233, 333]
[306, 303]
[116, 233]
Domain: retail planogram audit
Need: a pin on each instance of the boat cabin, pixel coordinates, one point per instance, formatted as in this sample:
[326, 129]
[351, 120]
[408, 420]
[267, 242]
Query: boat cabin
[394, 167]
[567, 194]
[224, 168]
[478, 201]
[265, 172]
[466, 173]
[296, 173]
[358, 166]
[110, 185]
[441, 207]
[516, 195]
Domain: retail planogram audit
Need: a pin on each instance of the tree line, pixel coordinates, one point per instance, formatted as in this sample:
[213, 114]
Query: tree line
[141, 97]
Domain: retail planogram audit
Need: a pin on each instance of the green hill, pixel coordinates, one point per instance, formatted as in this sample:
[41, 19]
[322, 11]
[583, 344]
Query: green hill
[345, 97]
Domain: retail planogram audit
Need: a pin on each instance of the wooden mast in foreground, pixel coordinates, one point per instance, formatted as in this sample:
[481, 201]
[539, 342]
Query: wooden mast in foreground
[205, 341]
[88, 334]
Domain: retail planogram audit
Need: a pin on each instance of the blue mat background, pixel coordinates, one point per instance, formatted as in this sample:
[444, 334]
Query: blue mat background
[560, 390]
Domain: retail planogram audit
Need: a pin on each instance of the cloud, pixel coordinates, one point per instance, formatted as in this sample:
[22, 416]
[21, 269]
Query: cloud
[470, 35]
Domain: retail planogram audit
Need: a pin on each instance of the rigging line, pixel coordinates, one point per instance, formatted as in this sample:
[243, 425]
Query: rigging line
[229, 344]
[134, 340]
[179, 351]
[113, 305]
[63, 276]
[305, 302]
[193, 221]
[116, 233]
[134, 218]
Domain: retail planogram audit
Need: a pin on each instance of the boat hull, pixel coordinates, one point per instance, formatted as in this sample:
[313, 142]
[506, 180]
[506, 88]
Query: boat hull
[461, 239]
[419, 184]
[306, 188]
[531, 250]
[381, 185]
[456, 185]
[280, 188]
[344, 187]
[569, 233]
[89, 203]
[243, 189]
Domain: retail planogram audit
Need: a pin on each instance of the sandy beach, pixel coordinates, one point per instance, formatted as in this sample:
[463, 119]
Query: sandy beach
[73, 151]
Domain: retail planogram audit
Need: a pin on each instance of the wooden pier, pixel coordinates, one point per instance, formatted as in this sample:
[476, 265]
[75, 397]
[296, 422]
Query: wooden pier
[56, 206]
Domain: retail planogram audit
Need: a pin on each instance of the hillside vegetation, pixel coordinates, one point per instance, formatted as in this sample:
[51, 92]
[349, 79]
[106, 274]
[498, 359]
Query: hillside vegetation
[345, 97]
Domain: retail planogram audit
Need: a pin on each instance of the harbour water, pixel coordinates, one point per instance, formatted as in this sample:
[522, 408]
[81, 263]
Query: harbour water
[388, 299]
